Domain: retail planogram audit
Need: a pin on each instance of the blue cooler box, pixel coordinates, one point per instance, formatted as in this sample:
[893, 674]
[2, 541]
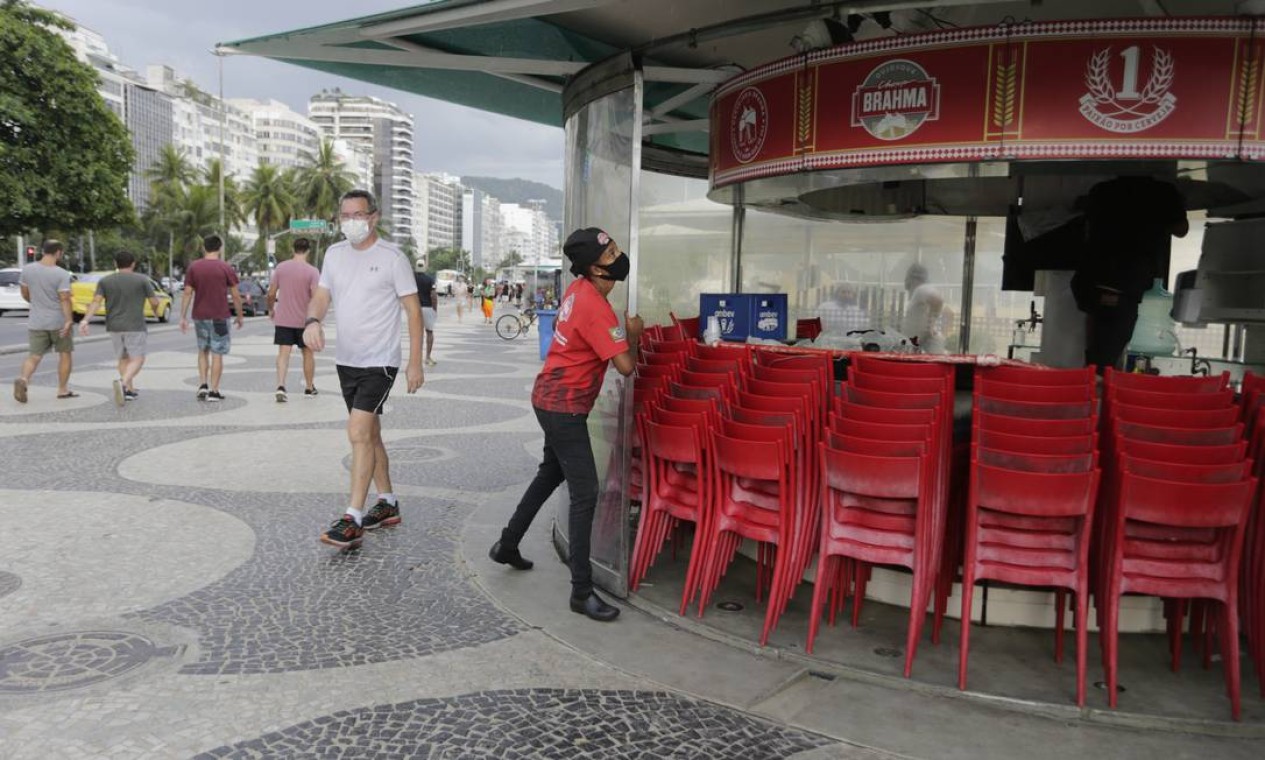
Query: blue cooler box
[745, 315]
[768, 316]
[732, 310]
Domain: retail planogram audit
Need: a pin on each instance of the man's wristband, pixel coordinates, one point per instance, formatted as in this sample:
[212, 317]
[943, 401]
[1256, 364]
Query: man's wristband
[311, 321]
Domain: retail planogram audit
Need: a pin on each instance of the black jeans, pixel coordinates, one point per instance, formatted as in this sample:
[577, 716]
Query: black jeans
[569, 457]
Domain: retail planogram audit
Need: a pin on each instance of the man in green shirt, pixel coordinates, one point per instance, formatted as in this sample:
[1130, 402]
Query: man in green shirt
[125, 293]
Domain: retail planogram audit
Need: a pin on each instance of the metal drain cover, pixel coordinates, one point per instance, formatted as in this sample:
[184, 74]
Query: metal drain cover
[729, 606]
[887, 652]
[72, 660]
[1102, 686]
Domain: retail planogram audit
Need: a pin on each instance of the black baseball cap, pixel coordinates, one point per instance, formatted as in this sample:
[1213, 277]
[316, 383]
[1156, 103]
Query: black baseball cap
[584, 247]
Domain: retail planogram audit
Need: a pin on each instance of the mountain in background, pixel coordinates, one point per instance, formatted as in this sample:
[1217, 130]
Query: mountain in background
[519, 191]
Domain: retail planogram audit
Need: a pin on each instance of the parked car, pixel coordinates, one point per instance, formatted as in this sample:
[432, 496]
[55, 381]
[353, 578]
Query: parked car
[10, 293]
[254, 298]
[84, 286]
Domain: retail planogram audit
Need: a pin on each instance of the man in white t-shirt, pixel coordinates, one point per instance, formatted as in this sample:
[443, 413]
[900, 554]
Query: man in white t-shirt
[370, 281]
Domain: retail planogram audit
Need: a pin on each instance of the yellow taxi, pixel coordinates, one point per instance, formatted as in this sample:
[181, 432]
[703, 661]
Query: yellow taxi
[83, 287]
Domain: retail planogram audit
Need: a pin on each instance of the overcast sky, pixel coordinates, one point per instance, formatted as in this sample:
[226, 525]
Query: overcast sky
[180, 33]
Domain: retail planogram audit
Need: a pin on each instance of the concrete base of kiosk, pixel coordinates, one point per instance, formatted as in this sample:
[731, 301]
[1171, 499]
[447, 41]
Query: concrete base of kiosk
[1011, 665]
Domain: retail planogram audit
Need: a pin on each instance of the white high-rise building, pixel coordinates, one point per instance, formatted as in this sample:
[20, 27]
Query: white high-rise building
[437, 216]
[286, 138]
[385, 130]
[147, 113]
[357, 159]
[529, 231]
[481, 228]
[201, 119]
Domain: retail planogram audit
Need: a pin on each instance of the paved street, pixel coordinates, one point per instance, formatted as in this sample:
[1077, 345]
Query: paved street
[164, 594]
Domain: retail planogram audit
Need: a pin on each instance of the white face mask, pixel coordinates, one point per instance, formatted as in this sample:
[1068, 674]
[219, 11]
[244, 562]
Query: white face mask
[355, 230]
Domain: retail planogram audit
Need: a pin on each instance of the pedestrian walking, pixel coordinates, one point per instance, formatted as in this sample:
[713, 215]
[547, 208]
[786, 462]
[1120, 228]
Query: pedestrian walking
[489, 294]
[587, 336]
[124, 294]
[208, 284]
[289, 294]
[46, 287]
[369, 282]
[429, 299]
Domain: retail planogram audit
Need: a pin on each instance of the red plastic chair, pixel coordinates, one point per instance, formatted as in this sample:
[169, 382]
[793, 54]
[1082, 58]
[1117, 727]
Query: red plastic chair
[1047, 410]
[1056, 553]
[1037, 375]
[676, 333]
[1161, 400]
[1035, 444]
[1131, 568]
[853, 411]
[1172, 452]
[877, 510]
[1003, 423]
[1165, 384]
[708, 407]
[899, 368]
[741, 513]
[725, 352]
[670, 346]
[670, 371]
[1018, 461]
[731, 367]
[1179, 418]
[690, 326]
[678, 489]
[1037, 393]
[666, 359]
[726, 382]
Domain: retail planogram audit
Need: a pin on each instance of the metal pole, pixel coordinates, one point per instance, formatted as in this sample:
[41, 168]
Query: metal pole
[968, 285]
[223, 168]
[92, 251]
[735, 245]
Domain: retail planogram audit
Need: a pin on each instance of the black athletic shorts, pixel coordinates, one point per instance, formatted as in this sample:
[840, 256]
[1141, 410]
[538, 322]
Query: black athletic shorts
[287, 336]
[366, 388]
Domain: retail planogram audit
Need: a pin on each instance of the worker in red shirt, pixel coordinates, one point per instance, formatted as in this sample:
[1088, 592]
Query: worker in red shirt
[586, 337]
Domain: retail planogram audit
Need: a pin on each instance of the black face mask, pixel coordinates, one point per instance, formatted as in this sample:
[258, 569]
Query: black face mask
[617, 270]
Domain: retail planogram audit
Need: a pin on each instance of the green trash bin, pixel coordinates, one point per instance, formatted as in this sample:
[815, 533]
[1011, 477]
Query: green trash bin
[545, 318]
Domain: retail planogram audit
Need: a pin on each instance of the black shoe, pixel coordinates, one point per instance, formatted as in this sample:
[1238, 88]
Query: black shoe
[594, 607]
[509, 555]
[203, 391]
[281, 394]
[309, 393]
[344, 533]
[130, 395]
[214, 396]
[381, 513]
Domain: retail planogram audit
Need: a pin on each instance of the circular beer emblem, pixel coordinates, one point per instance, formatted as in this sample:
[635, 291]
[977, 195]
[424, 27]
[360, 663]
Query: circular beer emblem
[1136, 105]
[895, 99]
[748, 124]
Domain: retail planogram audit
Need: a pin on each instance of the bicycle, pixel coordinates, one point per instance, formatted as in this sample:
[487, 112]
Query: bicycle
[510, 326]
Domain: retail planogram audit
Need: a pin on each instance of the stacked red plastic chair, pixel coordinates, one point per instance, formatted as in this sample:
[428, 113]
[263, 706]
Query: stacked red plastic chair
[884, 486]
[1034, 481]
[1174, 528]
[1252, 577]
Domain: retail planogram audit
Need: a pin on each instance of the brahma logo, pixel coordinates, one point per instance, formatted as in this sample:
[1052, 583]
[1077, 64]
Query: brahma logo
[1128, 110]
[895, 99]
[748, 124]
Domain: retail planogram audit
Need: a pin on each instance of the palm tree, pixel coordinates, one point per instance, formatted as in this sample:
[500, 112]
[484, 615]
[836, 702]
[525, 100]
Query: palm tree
[197, 217]
[268, 199]
[321, 182]
[234, 216]
[172, 172]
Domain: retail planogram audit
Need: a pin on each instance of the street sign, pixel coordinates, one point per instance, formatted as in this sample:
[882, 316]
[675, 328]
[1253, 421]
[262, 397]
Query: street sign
[307, 225]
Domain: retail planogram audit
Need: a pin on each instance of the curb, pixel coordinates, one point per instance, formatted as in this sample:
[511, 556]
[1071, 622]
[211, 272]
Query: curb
[97, 337]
